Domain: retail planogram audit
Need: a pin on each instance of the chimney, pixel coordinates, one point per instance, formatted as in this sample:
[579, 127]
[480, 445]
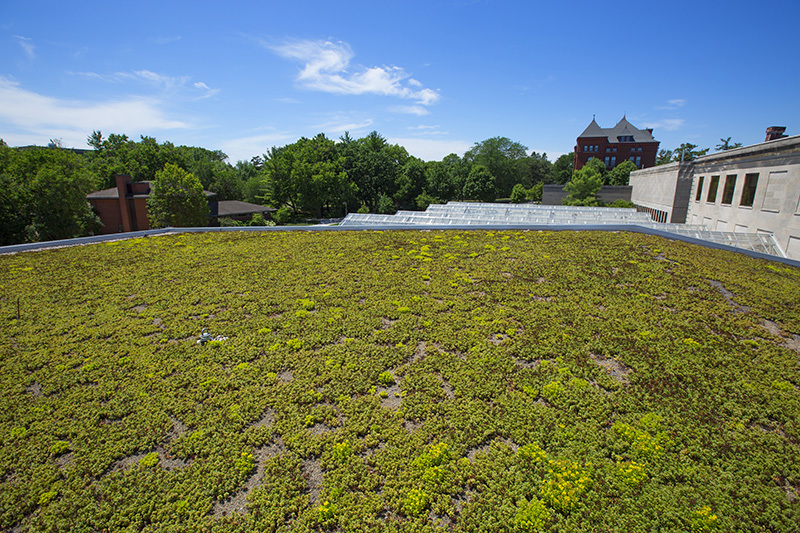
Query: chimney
[775, 132]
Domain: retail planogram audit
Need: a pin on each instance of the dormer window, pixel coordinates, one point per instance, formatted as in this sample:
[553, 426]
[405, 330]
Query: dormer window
[625, 138]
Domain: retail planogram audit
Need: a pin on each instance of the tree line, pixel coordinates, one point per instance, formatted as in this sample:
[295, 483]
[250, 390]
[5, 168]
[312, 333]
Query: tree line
[43, 189]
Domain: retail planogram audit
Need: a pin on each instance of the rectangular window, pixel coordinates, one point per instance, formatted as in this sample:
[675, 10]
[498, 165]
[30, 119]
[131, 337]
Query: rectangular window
[727, 192]
[749, 190]
[585, 148]
[699, 189]
[638, 161]
[713, 185]
[613, 161]
[607, 161]
[614, 150]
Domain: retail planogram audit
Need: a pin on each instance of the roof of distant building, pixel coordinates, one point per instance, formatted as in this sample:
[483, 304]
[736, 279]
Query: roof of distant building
[622, 129]
[113, 193]
[232, 208]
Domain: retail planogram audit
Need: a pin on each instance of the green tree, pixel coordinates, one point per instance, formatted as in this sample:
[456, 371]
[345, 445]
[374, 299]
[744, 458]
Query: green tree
[518, 194]
[308, 176]
[373, 165]
[664, 156]
[177, 199]
[582, 189]
[500, 155]
[620, 174]
[535, 169]
[424, 200]
[725, 144]
[410, 182]
[480, 185]
[562, 168]
[536, 192]
[43, 195]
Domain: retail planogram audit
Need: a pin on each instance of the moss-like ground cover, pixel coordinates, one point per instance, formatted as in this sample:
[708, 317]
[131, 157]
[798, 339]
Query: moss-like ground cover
[399, 381]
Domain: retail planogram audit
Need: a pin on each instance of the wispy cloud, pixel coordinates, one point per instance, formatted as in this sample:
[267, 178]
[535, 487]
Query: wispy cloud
[669, 124]
[340, 123]
[167, 82]
[167, 39]
[418, 110]
[327, 68]
[675, 103]
[207, 91]
[154, 79]
[27, 46]
[28, 114]
[423, 129]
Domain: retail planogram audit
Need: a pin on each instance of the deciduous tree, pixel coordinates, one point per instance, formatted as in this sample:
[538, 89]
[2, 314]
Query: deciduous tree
[620, 174]
[480, 185]
[177, 199]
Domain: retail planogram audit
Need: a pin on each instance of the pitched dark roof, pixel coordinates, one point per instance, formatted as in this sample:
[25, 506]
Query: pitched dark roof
[113, 193]
[232, 208]
[593, 130]
[105, 193]
[623, 128]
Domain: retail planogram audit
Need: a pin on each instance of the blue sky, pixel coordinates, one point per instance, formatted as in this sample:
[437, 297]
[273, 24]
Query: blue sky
[434, 76]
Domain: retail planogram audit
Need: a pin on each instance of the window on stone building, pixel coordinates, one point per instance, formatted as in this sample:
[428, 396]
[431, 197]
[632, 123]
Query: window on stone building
[713, 185]
[699, 189]
[727, 192]
[749, 190]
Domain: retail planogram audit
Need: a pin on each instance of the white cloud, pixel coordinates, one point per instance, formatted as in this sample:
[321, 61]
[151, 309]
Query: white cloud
[27, 115]
[669, 124]
[326, 67]
[338, 123]
[423, 129]
[245, 148]
[27, 46]
[208, 91]
[147, 76]
[431, 150]
[675, 103]
[168, 82]
[410, 110]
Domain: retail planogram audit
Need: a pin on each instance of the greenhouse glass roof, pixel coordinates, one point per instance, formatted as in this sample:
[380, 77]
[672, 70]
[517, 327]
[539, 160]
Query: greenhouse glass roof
[487, 214]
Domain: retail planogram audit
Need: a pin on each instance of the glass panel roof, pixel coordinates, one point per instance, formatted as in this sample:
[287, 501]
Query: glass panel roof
[484, 214]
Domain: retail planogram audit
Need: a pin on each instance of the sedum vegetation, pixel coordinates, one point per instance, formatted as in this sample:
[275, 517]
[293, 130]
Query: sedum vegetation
[399, 381]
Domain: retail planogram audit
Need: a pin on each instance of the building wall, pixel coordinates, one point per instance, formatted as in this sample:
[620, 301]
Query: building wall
[554, 194]
[663, 191]
[585, 149]
[775, 205]
[108, 211]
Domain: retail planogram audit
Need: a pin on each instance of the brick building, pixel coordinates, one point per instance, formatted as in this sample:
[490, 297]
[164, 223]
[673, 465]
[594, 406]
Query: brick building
[124, 207]
[615, 145]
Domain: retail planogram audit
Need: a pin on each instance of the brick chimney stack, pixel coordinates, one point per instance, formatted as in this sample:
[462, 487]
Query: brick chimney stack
[775, 132]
